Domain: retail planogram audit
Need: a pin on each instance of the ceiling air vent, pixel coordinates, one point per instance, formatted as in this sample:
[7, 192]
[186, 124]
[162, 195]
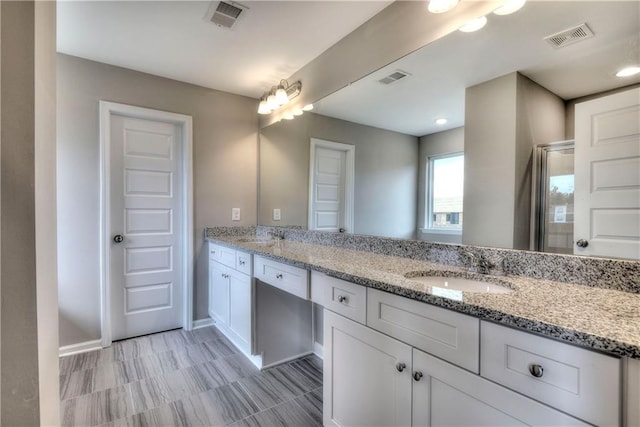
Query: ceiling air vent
[570, 36]
[225, 14]
[394, 77]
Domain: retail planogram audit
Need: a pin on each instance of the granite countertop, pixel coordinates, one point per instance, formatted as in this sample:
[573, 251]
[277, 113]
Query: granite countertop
[599, 319]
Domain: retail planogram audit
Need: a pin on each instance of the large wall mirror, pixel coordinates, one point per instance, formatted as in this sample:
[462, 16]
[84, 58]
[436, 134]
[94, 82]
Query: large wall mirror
[508, 95]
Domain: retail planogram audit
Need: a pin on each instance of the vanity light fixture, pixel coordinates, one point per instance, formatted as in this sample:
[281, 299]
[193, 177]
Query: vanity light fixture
[278, 96]
[628, 71]
[509, 7]
[288, 116]
[298, 112]
[441, 6]
[307, 107]
[474, 25]
[441, 121]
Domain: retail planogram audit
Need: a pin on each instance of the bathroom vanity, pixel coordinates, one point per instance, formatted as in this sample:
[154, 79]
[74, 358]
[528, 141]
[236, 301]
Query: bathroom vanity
[403, 349]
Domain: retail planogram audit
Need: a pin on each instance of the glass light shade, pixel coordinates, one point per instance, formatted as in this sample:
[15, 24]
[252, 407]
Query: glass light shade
[307, 107]
[441, 121]
[628, 72]
[298, 112]
[271, 102]
[281, 96]
[441, 6]
[474, 25]
[263, 108]
[509, 7]
[288, 116]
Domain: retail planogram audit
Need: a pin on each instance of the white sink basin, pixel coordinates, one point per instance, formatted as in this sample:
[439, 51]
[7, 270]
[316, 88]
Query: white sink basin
[460, 284]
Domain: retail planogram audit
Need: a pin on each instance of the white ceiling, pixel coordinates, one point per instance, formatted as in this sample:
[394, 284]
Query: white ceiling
[269, 42]
[442, 70]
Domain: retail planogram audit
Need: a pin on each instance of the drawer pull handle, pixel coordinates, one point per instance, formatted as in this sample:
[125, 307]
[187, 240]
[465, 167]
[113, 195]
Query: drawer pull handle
[279, 276]
[342, 299]
[536, 370]
[417, 375]
[400, 366]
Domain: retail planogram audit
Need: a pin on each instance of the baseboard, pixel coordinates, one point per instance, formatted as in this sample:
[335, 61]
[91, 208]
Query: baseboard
[81, 347]
[318, 350]
[202, 323]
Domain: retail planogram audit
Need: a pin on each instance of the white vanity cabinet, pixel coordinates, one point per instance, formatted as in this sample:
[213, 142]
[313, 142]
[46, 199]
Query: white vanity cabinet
[373, 379]
[230, 288]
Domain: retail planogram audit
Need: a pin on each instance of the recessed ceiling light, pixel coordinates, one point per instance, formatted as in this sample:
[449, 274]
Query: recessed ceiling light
[509, 7]
[628, 72]
[441, 121]
[441, 6]
[474, 25]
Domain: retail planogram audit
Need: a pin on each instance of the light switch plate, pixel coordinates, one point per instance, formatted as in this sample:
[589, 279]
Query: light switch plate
[235, 214]
[276, 214]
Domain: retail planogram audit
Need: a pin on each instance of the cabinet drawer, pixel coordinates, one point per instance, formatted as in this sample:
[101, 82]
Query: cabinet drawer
[452, 336]
[283, 276]
[578, 381]
[243, 262]
[345, 298]
[222, 254]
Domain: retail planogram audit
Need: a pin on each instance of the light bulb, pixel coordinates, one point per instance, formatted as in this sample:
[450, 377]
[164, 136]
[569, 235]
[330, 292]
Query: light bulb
[263, 108]
[307, 107]
[441, 6]
[474, 25]
[628, 72]
[271, 102]
[281, 96]
[509, 7]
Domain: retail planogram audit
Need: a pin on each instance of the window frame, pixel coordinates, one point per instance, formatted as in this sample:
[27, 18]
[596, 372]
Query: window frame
[428, 219]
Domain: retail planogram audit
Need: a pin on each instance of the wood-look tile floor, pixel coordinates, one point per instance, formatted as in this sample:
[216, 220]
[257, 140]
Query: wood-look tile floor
[181, 378]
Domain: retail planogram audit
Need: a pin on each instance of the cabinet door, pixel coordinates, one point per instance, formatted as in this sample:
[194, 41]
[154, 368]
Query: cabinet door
[444, 394]
[363, 383]
[219, 292]
[240, 309]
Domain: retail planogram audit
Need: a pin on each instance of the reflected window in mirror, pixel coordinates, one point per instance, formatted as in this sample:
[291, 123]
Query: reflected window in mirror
[445, 187]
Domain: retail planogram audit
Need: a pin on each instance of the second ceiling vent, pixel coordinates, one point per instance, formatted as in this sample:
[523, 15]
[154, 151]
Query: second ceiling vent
[225, 14]
[569, 36]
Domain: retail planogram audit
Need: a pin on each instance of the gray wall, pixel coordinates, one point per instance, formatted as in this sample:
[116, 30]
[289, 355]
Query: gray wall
[449, 141]
[386, 174]
[28, 308]
[504, 118]
[225, 159]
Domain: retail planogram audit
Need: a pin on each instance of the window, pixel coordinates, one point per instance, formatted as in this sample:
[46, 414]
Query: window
[445, 186]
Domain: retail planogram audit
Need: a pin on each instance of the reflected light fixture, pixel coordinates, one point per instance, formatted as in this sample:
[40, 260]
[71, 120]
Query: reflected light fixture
[509, 7]
[628, 71]
[441, 121]
[278, 96]
[441, 6]
[474, 25]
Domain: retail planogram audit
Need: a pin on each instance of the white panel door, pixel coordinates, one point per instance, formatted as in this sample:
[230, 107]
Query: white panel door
[146, 189]
[607, 176]
[329, 189]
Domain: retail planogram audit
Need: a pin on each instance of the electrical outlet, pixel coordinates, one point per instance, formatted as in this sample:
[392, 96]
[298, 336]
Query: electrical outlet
[235, 214]
[276, 214]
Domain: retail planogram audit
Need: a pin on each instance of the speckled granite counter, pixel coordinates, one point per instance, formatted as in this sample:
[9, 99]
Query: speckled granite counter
[592, 317]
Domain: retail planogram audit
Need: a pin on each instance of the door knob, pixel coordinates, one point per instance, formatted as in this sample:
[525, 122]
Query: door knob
[118, 238]
[582, 243]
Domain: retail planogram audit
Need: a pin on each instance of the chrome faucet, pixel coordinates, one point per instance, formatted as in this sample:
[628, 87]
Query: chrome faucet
[275, 234]
[477, 263]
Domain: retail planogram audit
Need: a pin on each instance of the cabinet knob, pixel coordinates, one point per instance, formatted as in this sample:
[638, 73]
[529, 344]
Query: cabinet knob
[417, 375]
[582, 243]
[536, 370]
[279, 276]
[118, 238]
[400, 366]
[241, 262]
[342, 298]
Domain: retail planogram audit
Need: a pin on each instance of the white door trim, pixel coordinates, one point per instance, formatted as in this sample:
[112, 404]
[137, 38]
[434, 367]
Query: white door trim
[107, 109]
[349, 178]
